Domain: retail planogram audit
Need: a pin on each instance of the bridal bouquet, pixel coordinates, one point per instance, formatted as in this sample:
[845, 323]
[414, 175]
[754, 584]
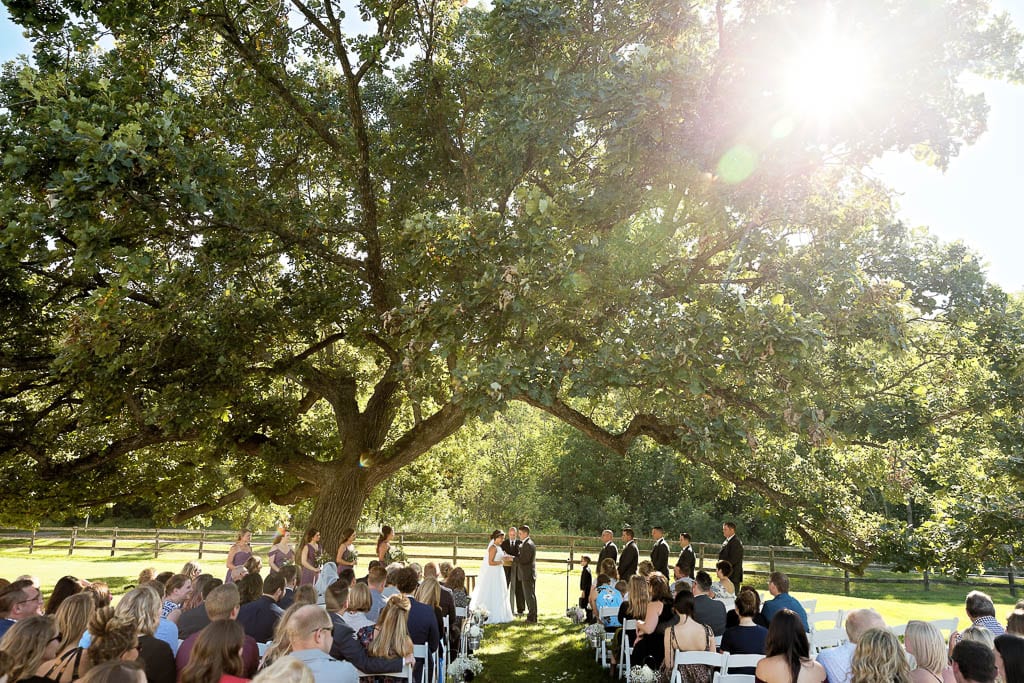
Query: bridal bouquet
[464, 668]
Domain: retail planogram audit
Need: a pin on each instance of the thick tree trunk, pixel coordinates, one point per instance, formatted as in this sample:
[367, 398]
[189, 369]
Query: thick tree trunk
[339, 504]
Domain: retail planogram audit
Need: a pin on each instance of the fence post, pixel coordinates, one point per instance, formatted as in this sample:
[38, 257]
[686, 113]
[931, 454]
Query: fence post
[156, 544]
[927, 581]
[455, 550]
[202, 541]
[771, 559]
[1011, 579]
[74, 537]
[32, 542]
[113, 542]
[846, 581]
[702, 545]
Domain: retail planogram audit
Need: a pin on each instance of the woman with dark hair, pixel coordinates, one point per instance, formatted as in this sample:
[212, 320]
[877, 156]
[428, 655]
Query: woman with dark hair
[1010, 658]
[73, 617]
[732, 617]
[281, 550]
[384, 545]
[724, 588]
[195, 598]
[250, 588]
[347, 554]
[217, 655]
[687, 636]
[238, 555]
[787, 653]
[116, 672]
[746, 638]
[649, 646]
[65, 587]
[309, 557]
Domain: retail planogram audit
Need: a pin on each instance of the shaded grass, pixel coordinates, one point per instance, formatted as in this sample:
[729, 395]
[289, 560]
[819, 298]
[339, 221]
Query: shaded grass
[552, 650]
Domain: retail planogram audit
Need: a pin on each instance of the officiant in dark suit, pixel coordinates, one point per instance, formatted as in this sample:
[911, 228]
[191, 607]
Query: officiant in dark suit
[660, 552]
[608, 551]
[630, 557]
[732, 552]
[510, 546]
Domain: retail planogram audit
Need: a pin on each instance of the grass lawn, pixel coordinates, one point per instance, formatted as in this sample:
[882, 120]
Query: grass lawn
[553, 650]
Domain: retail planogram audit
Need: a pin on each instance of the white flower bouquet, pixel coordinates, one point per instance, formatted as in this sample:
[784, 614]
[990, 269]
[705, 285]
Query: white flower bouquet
[595, 632]
[465, 667]
[577, 614]
[641, 674]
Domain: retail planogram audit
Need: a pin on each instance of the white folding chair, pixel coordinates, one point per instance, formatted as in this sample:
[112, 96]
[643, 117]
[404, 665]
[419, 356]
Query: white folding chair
[732, 678]
[833, 617]
[809, 605]
[823, 638]
[712, 659]
[625, 651]
[406, 674]
[447, 639]
[948, 625]
[718, 642]
[602, 650]
[741, 662]
[430, 662]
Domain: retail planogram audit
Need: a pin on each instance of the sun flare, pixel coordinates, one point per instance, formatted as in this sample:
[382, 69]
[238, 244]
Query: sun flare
[829, 78]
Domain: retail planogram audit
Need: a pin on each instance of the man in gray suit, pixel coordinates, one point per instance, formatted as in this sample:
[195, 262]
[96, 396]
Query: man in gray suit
[524, 569]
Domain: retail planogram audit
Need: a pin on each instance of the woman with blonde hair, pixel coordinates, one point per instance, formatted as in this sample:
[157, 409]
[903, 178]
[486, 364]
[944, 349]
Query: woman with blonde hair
[115, 672]
[30, 642]
[72, 621]
[281, 645]
[281, 550]
[359, 603]
[113, 637]
[924, 642]
[286, 669]
[217, 654]
[142, 608]
[633, 609]
[238, 555]
[879, 658]
[390, 636]
[192, 570]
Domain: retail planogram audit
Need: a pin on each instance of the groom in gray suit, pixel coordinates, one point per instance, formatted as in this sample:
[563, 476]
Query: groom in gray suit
[524, 568]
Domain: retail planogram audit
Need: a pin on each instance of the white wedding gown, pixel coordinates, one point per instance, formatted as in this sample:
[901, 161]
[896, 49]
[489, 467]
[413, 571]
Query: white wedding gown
[491, 591]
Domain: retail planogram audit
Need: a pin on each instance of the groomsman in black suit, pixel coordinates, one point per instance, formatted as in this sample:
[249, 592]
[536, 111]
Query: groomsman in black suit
[687, 561]
[609, 550]
[660, 552]
[630, 557]
[732, 552]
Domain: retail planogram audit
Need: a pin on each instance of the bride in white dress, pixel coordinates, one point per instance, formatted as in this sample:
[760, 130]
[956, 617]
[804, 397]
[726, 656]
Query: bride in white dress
[491, 591]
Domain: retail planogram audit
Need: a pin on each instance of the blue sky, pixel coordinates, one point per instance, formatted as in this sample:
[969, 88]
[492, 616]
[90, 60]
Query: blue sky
[978, 200]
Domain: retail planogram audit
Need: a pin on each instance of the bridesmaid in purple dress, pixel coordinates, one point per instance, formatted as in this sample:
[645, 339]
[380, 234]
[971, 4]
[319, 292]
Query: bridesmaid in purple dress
[309, 557]
[281, 551]
[239, 553]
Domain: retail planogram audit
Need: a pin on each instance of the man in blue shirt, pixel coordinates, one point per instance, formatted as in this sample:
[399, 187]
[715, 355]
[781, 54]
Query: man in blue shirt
[19, 600]
[778, 586]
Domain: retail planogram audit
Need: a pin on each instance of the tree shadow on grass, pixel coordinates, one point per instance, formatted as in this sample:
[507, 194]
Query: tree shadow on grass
[553, 650]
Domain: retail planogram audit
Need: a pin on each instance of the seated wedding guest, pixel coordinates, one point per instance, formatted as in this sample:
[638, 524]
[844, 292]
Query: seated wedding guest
[837, 660]
[649, 646]
[238, 554]
[974, 662]
[1015, 622]
[645, 568]
[253, 565]
[680, 581]
[305, 595]
[746, 638]
[19, 600]
[195, 619]
[163, 576]
[1010, 658]
[250, 587]
[280, 646]
[447, 600]
[365, 579]
[112, 637]
[375, 582]
[290, 574]
[177, 590]
[879, 659]
[222, 605]
[281, 551]
[28, 644]
[309, 632]
[605, 596]
[65, 587]
[389, 581]
[635, 608]
[707, 610]
[347, 574]
[787, 653]
[166, 630]
[446, 570]
[328, 575]
[687, 635]
[609, 568]
[359, 602]
[192, 570]
[142, 608]
[216, 657]
[195, 596]
[259, 617]
[116, 671]
[100, 592]
[429, 593]
[422, 621]
[345, 646]
[925, 642]
[145, 576]
[778, 586]
[72, 622]
[982, 613]
[978, 634]
[285, 670]
[723, 588]
[418, 568]
[389, 639]
[732, 617]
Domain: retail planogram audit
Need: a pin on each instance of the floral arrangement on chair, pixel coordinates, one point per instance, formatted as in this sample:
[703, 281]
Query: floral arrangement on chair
[473, 635]
[642, 674]
[465, 668]
[595, 632]
[480, 614]
[577, 614]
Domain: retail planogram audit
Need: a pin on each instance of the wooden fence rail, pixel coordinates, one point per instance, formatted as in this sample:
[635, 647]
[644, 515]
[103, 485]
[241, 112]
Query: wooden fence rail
[562, 551]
